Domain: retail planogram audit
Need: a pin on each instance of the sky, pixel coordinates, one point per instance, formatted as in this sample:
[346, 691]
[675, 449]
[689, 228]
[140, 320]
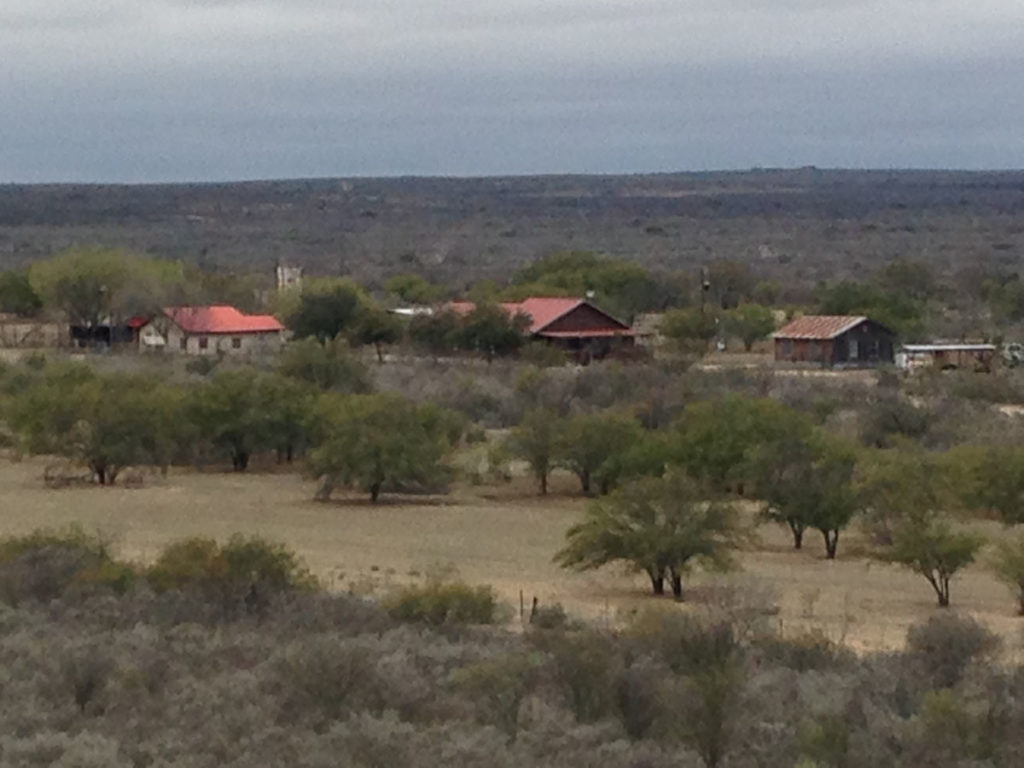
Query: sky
[214, 90]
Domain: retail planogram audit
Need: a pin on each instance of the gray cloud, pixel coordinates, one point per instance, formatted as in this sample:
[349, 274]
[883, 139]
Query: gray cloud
[181, 89]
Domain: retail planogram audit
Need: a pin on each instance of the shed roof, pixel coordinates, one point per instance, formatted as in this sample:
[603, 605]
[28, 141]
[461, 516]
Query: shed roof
[821, 327]
[925, 348]
[221, 318]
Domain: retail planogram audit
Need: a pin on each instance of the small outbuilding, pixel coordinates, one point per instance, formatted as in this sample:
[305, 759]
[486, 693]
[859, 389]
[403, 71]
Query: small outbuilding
[946, 357]
[210, 330]
[834, 341]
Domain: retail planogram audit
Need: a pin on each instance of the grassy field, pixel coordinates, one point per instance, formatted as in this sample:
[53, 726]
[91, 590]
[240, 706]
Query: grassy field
[501, 535]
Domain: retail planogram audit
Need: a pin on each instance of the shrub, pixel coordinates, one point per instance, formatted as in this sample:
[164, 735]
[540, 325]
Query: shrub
[804, 652]
[44, 564]
[244, 571]
[438, 603]
[944, 646]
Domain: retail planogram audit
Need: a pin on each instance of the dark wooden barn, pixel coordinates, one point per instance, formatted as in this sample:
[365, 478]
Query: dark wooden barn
[834, 340]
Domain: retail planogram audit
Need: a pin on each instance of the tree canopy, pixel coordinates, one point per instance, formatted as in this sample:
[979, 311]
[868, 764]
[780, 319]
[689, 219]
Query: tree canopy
[658, 526]
[375, 442]
[92, 285]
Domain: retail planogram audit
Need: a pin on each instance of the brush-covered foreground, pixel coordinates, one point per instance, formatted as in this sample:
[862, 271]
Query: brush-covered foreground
[187, 667]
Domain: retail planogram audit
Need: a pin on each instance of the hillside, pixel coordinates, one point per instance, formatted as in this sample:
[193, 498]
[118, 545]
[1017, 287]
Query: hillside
[801, 225]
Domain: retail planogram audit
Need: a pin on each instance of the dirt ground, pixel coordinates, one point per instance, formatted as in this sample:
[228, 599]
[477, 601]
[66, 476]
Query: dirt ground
[500, 535]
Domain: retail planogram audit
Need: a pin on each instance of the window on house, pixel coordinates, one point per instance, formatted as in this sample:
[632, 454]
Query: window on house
[236, 343]
[853, 349]
[204, 343]
[183, 343]
[787, 347]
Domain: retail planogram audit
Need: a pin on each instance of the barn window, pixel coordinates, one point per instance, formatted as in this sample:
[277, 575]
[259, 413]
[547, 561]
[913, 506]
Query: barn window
[853, 348]
[236, 343]
[204, 342]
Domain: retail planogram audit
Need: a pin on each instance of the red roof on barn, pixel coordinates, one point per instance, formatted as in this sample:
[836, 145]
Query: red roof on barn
[820, 327]
[221, 318]
[545, 310]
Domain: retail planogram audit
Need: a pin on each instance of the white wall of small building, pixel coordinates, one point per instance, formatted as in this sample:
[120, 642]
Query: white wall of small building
[179, 342]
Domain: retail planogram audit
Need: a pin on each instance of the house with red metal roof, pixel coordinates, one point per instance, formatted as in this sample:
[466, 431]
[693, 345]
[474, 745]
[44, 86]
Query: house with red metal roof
[574, 324]
[834, 340]
[209, 330]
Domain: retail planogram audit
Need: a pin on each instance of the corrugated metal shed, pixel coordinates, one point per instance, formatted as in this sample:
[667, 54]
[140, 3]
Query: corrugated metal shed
[820, 327]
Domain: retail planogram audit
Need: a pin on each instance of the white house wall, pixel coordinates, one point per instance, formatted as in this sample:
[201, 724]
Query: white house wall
[216, 343]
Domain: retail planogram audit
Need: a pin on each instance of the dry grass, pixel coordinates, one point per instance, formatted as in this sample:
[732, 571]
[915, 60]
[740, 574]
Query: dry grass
[504, 536]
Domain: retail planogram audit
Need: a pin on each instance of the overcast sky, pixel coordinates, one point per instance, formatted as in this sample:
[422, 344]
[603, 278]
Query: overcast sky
[176, 90]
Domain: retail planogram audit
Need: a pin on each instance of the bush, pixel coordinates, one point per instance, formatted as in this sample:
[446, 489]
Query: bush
[804, 652]
[46, 563]
[245, 571]
[440, 603]
[944, 646]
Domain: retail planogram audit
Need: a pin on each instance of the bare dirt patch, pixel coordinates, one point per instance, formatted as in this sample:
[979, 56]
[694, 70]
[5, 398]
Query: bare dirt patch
[506, 541]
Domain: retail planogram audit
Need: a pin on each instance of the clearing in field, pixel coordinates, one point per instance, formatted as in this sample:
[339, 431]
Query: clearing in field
[499, 535]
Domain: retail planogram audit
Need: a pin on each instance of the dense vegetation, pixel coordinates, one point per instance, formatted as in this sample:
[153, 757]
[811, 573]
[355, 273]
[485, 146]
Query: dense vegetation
[228, 654]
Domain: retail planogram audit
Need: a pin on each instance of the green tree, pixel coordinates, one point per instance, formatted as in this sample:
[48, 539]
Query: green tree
[377, 327]
[228, 412]
[593, 445]
[691, 328]
[895, 484]
[286, 407]
[750, 323]
[995, 481]
[731, 282]
[325, 365]
[713, 438]
[437, 334]
[92, 285]
[660, 526]
[807, 482]
[105, 422]
[325, 309]
[491, 331]
[536, 441]
[414, 289]
[17, 297]
[1008, 566]
[927, 544]
[377, 441]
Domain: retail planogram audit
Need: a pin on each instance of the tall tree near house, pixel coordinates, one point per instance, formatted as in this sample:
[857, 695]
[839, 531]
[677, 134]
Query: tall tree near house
[17, 297]
[536, 441]
[750, 323]
[92, 285]
[325, 309]
[377, 327]
[691, 328]
[373, 441]
[491, 331]
[658, 526]
[437, 334]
